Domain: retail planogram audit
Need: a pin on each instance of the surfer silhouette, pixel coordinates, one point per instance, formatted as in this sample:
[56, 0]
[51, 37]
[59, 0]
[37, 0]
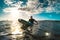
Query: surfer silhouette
[27, 24]
[32, 22]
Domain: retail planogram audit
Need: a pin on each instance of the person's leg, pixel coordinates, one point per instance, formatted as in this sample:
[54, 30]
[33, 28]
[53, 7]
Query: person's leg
[31, 29]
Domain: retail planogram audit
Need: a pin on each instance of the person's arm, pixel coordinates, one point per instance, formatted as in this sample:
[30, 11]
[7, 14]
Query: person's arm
[36, 21]
[29, 20]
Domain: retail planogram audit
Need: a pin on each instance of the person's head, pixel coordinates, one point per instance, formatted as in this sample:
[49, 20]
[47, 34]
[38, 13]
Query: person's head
[31, 17]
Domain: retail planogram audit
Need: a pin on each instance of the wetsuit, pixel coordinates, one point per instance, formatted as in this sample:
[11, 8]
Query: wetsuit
[31, 24]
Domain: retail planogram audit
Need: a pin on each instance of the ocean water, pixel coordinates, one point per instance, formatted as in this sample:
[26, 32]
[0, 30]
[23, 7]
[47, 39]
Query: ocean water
[39, 31]
[5, 31]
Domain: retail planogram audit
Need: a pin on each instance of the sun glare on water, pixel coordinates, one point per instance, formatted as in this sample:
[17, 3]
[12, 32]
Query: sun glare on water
[15, 26]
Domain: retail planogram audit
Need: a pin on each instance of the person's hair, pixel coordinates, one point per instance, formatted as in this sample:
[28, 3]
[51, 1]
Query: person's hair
[31, 16]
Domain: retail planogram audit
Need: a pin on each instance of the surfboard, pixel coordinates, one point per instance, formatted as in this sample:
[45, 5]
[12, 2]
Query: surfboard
[25, 23]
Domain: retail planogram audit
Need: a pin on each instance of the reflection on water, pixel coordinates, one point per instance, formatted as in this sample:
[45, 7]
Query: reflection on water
[10, 30]
[11, 37]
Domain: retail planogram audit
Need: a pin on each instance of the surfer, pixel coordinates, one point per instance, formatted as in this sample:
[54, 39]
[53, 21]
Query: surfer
[32, 22]
[28, 24]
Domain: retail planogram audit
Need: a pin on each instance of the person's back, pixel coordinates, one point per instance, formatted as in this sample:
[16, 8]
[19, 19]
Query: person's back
[31, 21]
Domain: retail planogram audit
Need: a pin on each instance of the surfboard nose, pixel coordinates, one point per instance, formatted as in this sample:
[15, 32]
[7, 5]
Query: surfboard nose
[19, 20]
